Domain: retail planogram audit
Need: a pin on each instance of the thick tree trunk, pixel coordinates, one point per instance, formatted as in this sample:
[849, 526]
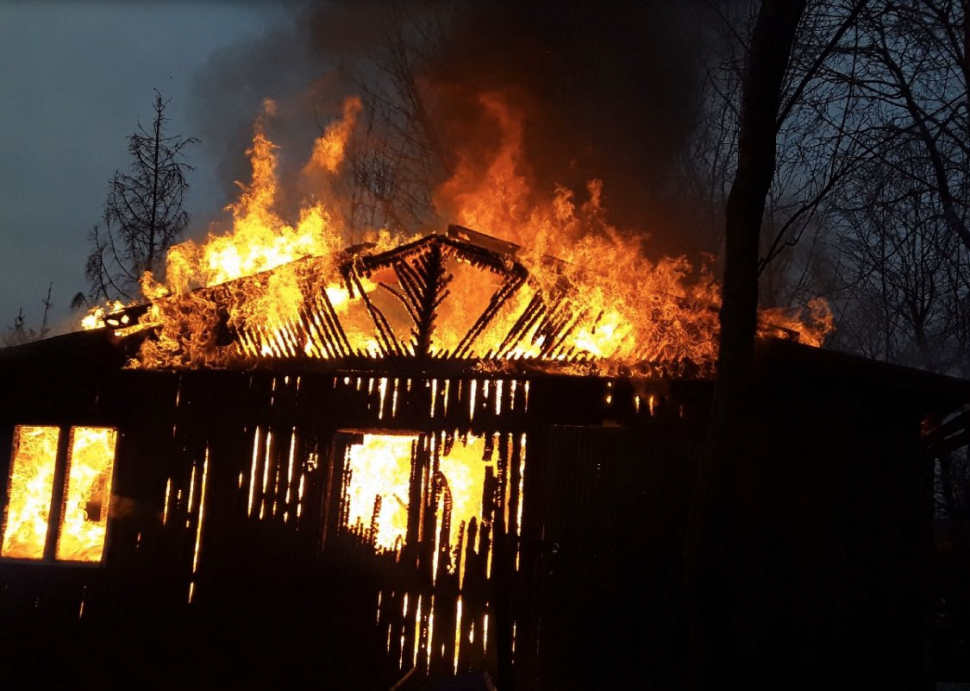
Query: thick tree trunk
[715, 562]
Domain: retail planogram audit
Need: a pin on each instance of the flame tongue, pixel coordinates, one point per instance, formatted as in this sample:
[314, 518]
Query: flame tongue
[260, 240]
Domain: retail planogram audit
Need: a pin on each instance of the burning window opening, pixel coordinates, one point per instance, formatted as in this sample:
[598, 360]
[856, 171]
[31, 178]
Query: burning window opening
[84, 519]
[29, 489]
[32, 489]
[376, 489]
[453, 479]
[448, 504]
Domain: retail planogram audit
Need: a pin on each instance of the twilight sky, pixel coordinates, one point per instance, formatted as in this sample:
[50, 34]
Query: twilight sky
[75, 77]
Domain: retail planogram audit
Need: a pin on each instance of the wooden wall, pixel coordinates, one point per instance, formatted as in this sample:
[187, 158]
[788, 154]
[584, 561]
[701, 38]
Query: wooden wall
[585, 592]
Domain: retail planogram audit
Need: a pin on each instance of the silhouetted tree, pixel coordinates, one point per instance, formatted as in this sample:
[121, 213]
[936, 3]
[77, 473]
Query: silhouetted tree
[395, 159]
[20, 333]
[143, 213]
[714, 568]
[903, 245]
[816, 152]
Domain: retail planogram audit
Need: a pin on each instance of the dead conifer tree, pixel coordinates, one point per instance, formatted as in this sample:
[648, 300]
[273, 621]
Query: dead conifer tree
[144, 212]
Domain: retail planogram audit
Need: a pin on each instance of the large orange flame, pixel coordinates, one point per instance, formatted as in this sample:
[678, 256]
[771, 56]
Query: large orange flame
[633, 309]
[615, 306]
[260, 240]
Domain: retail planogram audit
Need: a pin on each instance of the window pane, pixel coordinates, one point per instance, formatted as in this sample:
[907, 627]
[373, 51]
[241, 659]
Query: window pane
[29, 491]
[85, 518]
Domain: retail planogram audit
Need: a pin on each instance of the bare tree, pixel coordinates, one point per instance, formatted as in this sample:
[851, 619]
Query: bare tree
[393, 161]
[872, 171]
[904, 242]
[906, 288]
[916, 76]
[904, 245]
[19, 332]
[814, 150]
[143, 213]
[872, 164]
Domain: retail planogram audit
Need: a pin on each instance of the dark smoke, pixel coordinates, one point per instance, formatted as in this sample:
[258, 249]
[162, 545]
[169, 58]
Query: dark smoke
[610, 89]
[611, 86]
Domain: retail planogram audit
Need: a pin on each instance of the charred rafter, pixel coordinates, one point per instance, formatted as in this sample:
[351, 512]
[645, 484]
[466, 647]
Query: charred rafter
[424, 286]
[509, 287]
[417, 275]
[388, 342]
[421, 271]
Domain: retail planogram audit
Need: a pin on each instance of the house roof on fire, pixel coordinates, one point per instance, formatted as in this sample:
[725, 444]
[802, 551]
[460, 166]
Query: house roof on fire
[461, 299]
[414, 283]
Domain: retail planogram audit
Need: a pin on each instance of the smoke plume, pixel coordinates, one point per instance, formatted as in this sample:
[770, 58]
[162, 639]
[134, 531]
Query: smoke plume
[605, 91]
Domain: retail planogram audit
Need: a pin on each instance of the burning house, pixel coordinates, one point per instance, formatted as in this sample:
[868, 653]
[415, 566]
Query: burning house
[409, 460]
[452, 506]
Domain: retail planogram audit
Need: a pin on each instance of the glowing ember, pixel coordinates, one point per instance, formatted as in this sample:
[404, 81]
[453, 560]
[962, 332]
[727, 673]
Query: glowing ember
[85, 516]
[97, 317]
[29, 492]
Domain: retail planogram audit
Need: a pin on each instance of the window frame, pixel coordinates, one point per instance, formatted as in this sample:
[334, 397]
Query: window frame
[59, 493]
